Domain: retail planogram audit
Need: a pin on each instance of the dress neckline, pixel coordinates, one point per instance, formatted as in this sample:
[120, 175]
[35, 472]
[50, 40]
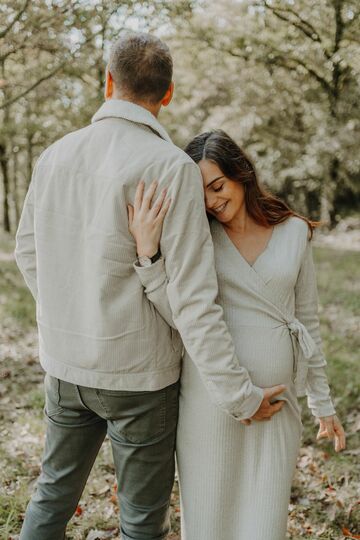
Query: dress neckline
[266, 247]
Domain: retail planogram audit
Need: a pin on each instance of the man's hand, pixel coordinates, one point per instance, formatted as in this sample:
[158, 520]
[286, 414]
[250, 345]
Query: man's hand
[268, 409]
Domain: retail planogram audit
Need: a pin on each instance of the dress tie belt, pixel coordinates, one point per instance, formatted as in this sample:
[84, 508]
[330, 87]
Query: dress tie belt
[306, 342]
[306, 349]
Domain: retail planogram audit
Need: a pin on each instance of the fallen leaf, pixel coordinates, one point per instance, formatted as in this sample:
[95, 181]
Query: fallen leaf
[114, 499]
[348, 534]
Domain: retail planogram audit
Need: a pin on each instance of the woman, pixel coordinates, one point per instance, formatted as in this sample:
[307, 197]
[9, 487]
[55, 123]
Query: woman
[235, 479]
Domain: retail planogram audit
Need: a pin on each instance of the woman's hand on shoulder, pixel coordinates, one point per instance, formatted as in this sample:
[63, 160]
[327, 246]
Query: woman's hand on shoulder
[331, 428]
[146, 218]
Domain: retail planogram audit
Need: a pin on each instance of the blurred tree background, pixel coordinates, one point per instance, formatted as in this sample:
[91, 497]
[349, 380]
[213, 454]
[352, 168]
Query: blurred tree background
[281, 76]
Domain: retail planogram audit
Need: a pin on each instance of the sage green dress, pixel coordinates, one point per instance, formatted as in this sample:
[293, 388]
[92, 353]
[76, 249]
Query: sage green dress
[235, 480]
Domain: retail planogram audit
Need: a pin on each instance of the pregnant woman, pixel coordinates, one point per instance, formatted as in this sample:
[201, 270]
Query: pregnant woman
[235, 479]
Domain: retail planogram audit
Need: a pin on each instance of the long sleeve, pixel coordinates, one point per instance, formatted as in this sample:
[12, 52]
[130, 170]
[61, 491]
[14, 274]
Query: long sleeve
[155, 282]
[306, 311]
[25, 251]
[192, 290]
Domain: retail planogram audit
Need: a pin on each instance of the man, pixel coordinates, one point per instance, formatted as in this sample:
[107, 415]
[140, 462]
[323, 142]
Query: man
[112, 364]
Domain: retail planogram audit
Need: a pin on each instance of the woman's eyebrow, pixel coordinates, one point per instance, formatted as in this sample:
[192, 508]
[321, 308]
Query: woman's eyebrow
[214, 180]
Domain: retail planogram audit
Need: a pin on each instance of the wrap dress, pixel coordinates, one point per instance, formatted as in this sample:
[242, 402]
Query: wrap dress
[235, 480]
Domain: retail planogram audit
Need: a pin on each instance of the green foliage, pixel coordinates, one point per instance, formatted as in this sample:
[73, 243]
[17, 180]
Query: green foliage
[281, 77]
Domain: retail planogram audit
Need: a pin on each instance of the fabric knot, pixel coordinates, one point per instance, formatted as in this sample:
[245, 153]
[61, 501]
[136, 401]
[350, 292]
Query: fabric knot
[306, 342]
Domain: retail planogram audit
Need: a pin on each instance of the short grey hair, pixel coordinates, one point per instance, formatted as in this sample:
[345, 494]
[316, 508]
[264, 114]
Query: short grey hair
[141, 66]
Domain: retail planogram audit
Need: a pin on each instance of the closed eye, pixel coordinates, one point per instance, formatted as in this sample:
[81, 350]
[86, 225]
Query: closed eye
[219, 188]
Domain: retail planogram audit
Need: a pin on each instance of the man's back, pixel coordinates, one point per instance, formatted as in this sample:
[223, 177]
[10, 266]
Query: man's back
[94, 320]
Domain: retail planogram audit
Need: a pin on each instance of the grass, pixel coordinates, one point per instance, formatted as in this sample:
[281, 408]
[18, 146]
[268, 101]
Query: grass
[323, 503]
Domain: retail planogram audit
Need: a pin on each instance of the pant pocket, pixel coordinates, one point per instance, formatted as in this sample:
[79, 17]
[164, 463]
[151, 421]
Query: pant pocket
[52, 396]
[138, 417]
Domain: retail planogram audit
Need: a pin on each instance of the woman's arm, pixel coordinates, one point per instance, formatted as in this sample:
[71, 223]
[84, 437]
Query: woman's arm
[145, 224]
[317, 387]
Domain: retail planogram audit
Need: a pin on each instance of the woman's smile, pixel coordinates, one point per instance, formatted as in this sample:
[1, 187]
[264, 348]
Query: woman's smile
[219, 209]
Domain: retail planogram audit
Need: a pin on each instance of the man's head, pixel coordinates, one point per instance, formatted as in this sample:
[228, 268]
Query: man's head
[140, 70]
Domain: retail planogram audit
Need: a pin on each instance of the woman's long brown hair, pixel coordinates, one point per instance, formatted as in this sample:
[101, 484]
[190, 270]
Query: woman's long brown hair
[262, 206]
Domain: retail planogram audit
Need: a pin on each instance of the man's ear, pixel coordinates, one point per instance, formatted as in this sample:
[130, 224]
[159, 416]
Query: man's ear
[168, 96]
[109, 85]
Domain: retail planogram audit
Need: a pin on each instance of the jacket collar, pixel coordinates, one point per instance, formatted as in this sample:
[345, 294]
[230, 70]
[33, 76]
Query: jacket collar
[118, 108]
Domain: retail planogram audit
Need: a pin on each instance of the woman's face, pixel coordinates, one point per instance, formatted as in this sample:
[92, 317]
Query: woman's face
[224, 198]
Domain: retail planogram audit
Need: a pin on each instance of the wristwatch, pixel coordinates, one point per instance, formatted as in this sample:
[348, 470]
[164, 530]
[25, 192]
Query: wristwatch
[148, 261]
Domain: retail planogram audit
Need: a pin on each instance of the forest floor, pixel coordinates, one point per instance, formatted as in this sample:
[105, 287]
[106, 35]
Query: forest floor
[325, 496]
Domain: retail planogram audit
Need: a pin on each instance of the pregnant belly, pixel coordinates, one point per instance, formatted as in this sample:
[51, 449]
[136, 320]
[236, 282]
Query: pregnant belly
[266, 353]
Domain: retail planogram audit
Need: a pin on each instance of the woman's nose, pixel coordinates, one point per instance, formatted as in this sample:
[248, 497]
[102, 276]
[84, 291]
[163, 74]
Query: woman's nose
[209, 200]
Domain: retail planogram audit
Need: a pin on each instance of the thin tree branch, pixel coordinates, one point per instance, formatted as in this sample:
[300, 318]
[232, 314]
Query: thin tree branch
[306, 24]
[50, 74]
[15, 19]
[4, 56]
[33, 86]
[193, 36]
[301, 24]
[286, 63]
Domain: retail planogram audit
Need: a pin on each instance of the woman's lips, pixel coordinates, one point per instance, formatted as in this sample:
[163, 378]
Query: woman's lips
[220, 209]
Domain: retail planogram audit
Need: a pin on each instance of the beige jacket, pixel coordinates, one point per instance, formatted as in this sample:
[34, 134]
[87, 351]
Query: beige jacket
[96, 326]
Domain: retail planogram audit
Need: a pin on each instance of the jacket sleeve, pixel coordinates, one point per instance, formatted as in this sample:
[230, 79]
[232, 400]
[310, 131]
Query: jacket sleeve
[187, 247]
[25, 250]
[155, 282]
[306, 311]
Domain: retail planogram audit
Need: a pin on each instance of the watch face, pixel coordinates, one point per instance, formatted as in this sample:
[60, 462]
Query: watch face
[144, 261]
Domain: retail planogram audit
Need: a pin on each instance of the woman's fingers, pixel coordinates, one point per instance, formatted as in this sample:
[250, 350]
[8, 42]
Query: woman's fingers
[340, 437]
[143, 199]
[130, 214]
[322, 434]
[139, 194]
[158, 203]
[148, 197]
[163, 211]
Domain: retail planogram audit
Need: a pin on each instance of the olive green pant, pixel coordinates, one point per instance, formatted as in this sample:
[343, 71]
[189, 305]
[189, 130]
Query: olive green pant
[142, 430]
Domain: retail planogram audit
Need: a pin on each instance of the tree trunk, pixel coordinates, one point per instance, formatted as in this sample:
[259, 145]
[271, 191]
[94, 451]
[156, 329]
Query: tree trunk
[15, 186]
[328, 193]
[5, 174]
[30, 158]
[329, 187]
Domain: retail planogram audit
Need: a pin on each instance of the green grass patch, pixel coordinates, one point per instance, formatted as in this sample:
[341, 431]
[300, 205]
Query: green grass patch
[16, 302]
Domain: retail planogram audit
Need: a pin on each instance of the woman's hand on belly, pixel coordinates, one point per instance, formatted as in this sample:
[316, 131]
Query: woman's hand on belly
[267, 409]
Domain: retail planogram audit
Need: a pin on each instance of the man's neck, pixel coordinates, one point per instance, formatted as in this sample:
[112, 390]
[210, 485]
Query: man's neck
[153, 109]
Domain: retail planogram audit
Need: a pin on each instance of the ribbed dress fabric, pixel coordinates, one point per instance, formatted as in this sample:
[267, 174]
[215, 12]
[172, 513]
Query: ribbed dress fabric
[235, 480]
